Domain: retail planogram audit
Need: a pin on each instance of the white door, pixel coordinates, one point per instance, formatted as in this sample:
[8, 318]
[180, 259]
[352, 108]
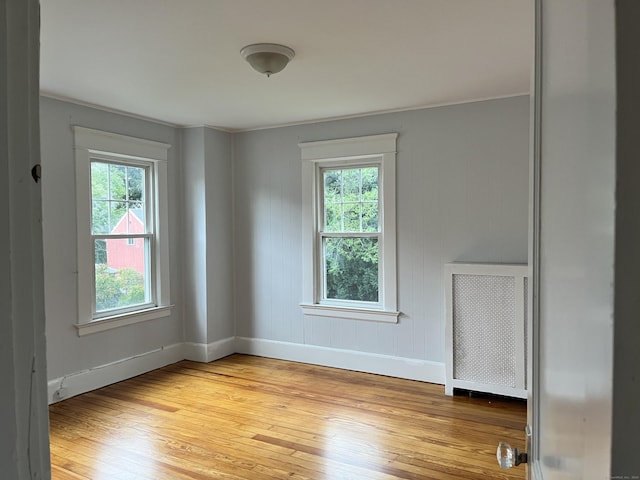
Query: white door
[572, 253]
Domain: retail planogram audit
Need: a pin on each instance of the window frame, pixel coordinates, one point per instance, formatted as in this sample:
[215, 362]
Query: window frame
[108, 147]
[378, 150]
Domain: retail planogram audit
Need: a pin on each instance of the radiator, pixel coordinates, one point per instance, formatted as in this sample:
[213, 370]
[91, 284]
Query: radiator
[486, 328]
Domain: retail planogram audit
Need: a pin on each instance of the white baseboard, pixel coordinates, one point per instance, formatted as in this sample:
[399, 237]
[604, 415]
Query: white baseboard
[97, 377]
[201, 352]
[411, 369]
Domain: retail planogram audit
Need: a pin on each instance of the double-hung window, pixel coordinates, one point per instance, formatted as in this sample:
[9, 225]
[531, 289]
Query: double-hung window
[122, 234]
[349, 228]
[123, 275]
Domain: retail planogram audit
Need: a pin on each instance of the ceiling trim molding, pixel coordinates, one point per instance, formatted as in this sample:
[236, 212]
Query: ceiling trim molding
[212, 127]
[95, 106]
[379, 112]
[280, 125]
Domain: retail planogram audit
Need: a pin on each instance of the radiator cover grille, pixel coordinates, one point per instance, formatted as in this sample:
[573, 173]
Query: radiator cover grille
[484, 329]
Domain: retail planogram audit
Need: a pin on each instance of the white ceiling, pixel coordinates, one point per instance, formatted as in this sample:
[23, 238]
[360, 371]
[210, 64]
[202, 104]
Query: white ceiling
[178, 60]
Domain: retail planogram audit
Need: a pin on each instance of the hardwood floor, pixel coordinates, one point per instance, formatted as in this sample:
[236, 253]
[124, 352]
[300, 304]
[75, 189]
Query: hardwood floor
[245, 417]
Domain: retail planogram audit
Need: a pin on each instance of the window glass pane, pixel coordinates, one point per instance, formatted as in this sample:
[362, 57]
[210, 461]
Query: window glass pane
[99, 181]
[121, 269]
[101, 252]
[136, 222]
[351, 268]
[351, 185]
[332, 186]
[117, 182]
[100, 217]
[333, 217]
[370, 183]
[135, 186]
[352, 217]
[118, 217]
[370, 217]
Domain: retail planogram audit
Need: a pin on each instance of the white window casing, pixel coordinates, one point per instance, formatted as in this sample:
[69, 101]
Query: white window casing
[377, 150]
[98, 145]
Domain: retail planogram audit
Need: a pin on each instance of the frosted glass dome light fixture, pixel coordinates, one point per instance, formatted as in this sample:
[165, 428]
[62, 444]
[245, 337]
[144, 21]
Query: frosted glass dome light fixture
[267, 58]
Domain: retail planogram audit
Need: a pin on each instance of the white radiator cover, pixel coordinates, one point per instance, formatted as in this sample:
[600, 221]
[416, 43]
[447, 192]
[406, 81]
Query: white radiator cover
[486, 328]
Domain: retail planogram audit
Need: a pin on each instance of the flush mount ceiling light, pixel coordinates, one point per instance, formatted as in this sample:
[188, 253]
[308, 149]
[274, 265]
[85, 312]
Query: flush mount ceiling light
[267, 58]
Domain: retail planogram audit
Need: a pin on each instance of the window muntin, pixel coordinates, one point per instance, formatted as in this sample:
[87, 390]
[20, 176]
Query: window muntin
[349, 234]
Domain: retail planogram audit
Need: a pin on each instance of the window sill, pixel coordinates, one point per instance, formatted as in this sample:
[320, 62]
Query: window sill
[121, 320]
[350, 313]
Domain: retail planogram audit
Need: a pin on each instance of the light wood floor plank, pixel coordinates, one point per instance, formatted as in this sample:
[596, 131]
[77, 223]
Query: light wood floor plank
[245, 417]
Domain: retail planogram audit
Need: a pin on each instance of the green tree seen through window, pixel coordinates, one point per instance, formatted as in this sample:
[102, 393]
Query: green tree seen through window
[115, 289]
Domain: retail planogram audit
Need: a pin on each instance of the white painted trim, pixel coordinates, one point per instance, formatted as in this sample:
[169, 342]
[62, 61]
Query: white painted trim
[372, 149]
[97, 377]
[521, 366]
[388, 218]
[206, 125]
[309, 222]
[100, 376]
[400, 367]
[375, 113]
[448, 331]
[130, 318]
[491, 269]
[349, 147]
[205, 353]
[102, 108]
[350, 313]
[81, 103]
[161, 247]
[534, 468]
[87, 143]
[84, 269]
[488, 388]
[98, 140]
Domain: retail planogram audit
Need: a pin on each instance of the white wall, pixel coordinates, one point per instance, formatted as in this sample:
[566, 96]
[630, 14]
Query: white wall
[462, 196]
[67, 353]
[208, 253]
[194, 236]
[219, 210]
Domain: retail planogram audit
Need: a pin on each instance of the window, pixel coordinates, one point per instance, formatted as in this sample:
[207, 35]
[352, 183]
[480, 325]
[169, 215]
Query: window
[123, 271]
[349, 234]
[349, 228]
[119, 191]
